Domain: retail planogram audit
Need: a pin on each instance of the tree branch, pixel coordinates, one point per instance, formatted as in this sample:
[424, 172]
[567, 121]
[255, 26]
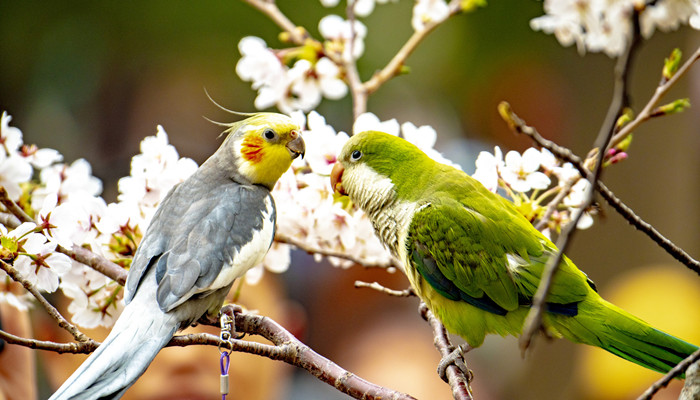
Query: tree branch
[85, 347]
[517, 125]
[297, 35]
[648, 110]
[393, 68]
[51, 310]
[281, 238]
[533, 321]
[458, 381]
[383, 289]
[676, 371]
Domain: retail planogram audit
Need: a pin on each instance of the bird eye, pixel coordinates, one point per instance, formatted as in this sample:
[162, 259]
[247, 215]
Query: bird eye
[269, 134]
[355, 155]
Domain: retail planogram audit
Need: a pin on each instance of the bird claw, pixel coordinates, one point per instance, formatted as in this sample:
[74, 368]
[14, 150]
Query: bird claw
[232, 310]
[456, 358]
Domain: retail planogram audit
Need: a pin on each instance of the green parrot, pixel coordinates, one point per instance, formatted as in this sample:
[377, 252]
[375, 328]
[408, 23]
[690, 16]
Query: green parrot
[475, 260]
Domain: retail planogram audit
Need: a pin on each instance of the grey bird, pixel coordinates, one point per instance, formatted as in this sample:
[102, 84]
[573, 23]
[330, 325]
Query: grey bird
[207, 232]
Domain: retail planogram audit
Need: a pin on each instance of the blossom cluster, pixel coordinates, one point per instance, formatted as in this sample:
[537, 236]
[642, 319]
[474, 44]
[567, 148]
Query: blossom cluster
[298, 78]
[532, 180]
[64, 200]
[606, 25]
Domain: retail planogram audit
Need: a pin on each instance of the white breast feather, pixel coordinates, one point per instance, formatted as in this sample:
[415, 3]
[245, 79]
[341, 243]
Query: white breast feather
[250, 254]
[390, 217]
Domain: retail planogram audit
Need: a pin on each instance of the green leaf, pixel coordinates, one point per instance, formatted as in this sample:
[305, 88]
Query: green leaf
[671, 64]
[471, 5]
[9, 248]
[672, 108]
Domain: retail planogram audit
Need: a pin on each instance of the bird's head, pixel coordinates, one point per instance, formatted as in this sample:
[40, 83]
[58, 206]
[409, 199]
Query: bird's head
[264, 146]
[375, 165]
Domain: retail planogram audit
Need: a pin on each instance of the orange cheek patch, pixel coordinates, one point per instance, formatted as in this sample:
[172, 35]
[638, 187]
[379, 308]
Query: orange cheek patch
[252, 149]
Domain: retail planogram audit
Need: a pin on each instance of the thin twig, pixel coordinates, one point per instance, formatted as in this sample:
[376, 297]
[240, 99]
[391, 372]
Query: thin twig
[645, 227]
[297, 35]
[51, 310]
[12, 207]
[675, 371]
[649, 108]
[458, 381]
[519, 126]
[294, 352]
[85, 347]
[82, 255]
[552, 206]
[383, 289]
[393, 68]
[96, 262]
[281, 238]
[533, 321]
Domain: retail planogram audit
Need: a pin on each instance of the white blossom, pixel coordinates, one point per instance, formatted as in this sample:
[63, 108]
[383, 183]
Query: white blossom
[264, 69]
[521, 171]
[575, 199]
[487, 167]
[429, 11]
[606, 25]
[41, 266]
[14, 170]
[424, 137]
[10, 136]
[345, 37]
[362, 8]
[370, 122]
[66, 181]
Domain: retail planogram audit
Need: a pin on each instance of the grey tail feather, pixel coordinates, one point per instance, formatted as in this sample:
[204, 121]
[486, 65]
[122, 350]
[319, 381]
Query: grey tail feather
[121, 359]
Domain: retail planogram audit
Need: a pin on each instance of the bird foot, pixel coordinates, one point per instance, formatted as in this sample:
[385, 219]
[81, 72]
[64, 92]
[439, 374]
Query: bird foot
[232, 310]
[456, 358]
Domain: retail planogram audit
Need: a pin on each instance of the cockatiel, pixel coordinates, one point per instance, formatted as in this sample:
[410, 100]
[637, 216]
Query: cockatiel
[475, 260]
[207, 232]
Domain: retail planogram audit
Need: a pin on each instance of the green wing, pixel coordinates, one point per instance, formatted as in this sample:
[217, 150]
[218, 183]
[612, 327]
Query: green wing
[491, 258]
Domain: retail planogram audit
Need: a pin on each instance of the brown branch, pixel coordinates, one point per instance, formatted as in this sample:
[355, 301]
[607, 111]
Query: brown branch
[457, 380]
[383, 289]
[51, 310]
[12, 207]
[297, 35]
[533, 321]
[519, 126]
[676, 371]
[393, 68]
[96, 262]
[648, 110]
[645, 227]
[80, 254]
[286, 348]
[281, 238]
[85, 347]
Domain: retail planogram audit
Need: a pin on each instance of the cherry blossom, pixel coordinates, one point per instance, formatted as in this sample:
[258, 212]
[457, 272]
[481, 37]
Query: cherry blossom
[429, 11]
[487, 167]
[345, 38]
[606, 25]
[521, 171]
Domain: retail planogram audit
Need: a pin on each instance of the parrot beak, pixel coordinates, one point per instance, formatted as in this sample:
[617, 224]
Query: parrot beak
[296, 146]
[337, 178]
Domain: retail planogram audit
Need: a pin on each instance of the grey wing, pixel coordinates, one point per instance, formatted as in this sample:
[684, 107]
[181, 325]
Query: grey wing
[203, 252]
[154, 241]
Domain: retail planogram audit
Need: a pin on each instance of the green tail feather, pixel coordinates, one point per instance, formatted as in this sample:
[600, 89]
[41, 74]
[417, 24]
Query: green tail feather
[604, 325]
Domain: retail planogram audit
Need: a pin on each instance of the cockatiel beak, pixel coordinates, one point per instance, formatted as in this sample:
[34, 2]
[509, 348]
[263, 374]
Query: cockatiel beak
[337, 178]
[296, 146]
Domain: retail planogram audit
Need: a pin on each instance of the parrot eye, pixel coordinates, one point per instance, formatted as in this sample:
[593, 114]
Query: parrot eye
[355, 155]
[269, 134]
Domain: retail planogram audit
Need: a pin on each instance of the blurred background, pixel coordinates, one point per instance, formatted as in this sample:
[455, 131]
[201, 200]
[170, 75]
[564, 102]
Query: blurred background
[91, 79]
